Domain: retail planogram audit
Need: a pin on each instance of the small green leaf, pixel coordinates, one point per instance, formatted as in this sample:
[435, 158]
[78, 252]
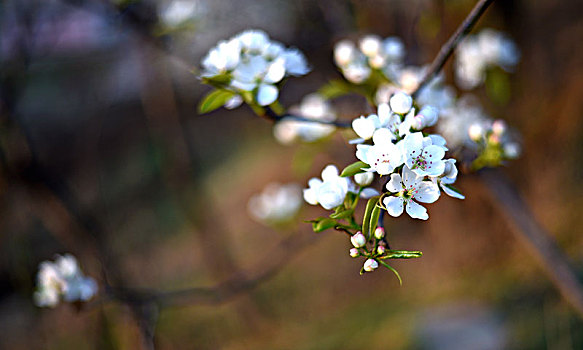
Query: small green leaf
[342, 214]
[370, 206]
[323, 224]
[354, 168]
[402, 254]
[374, 219]
[394, 271]
[213, 100]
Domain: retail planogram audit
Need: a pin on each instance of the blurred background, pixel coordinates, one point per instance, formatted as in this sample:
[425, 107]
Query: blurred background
[104, 156]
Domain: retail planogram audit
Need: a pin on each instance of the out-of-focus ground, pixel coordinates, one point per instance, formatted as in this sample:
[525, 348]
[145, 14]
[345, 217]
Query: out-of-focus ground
[107, 115]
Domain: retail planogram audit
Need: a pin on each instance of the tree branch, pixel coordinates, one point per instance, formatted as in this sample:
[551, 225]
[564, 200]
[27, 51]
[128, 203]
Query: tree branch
[539, 242]
[447, 49]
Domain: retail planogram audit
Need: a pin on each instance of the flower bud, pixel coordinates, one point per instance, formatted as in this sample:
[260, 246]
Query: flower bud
[364, 179]
[512, 150]
[354, 252]
[430, 116]
[370, 265]
[401, 103]
[370, 45]
[344, 52]
[498, 127]
[475, 132]
[358, 240]
[381, 249]
[379, 233]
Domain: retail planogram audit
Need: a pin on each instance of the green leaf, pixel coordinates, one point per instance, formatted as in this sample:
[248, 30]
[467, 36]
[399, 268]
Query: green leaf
[402, 254]
[370, 205]
[335, 88]
[353, 169]
[394, 271]
[213, 100]
[451, 187]
[323, 224]
[374, 219]
[342, 214]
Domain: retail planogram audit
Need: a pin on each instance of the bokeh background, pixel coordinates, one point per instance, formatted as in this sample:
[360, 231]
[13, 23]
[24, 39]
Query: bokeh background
[104, 156]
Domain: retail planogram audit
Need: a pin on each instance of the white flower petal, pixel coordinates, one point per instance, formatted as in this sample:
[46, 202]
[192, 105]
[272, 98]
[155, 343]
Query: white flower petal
[451, 192]
[416, 211]
[330, 173]
[427, 192]
[275, 72]
[410, 179]
[394, 205]
[267, 94]
[401, 103]
[395, 184]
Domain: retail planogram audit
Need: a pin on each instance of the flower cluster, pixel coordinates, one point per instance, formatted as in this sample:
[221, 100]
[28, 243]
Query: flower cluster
[251, 63]
[313, 107]
[62, 279]
[414, 161]
[330, 192]
[479, 52]
[372, 53]
[276, 203]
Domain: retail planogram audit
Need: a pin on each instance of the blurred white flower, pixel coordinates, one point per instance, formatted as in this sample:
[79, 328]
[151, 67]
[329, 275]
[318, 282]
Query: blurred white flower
[62, 279]
[251, 62]
[178, 12]
[313, 106]
[276, 203]
[357, 63]
[478, 52]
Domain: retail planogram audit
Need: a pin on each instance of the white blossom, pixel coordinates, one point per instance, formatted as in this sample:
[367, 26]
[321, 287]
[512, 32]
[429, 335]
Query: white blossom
[178, 12]
[422, 156]
[62, 279]
[254, 63]
[384, 156]
[407, 189]
[276, 203]
[478, 52]
[448, 178]
[329, 192]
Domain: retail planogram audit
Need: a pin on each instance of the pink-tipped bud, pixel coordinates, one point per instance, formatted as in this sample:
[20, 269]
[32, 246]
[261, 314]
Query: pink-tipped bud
[354, 252]
[379, 233]
[381, 249]
[358, 240]
[498, 127]
[370, 265]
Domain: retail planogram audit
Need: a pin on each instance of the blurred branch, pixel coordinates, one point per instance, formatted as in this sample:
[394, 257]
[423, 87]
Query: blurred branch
[276, 118]
[241, 281]
[447, 49]
[539, 242]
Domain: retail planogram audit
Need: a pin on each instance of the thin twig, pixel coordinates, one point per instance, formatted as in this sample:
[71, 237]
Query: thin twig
[540, 243]
[447, 49]
[241, 281]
